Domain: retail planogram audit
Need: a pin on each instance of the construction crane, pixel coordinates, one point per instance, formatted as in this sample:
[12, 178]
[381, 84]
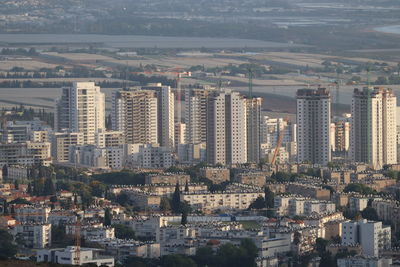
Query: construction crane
[337, 82]
[278, 146]
[77, 258]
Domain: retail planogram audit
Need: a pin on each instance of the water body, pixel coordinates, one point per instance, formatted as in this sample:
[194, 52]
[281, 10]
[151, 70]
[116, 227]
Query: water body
[395, 29]
[138, 41]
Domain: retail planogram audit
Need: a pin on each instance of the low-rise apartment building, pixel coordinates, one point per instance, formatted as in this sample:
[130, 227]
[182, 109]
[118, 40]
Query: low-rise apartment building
[33, 235]
[224, 200]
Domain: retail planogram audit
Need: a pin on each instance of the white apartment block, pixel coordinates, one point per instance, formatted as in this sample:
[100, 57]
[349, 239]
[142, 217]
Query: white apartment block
[117, 157]
[16, 133]
[17, 172]
[253, 120]
[372, 236]
[271, 127]
[166, 114]
[281, 205]
[30, 213]
[180, 133]
[287, 205]
[123, 248]
[340, 136]
[71, 256]
[236, 125]
[216, 128]
[226, 128]
[81, 108]
[57, 217]
[225, 200]
[359, 261]
[27, 153]
[388, 210]
[22, 131]
[92, 232]
[196, 115]
[135, 113]
[143, 226]
[88, 156]
[154, 156]
[398, 132]
[109, 138]
[313, 126]
[191, 153]
[316, 207]
[373, 127]
[40, 136]
[33, 235]
[358, 203]
[61, 143]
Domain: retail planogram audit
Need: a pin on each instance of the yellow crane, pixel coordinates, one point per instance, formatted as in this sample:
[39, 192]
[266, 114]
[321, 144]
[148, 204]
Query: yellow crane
[278, 145]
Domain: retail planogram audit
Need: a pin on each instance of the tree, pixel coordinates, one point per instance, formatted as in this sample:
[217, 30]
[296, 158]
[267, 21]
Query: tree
[258, 203]
[251, 249]
[370, 213]
[124, 232]
[320, 245]
[184, 218]
[5, 170]
[177, 260]
[49, 188]
[359, 188]
[7, 248]
[122, 199]
[327, 260]
[391, 174]
[232, 256]
[29, 190]
[121, 178]
[186, 187]
[176, 200]
[59, 236]
[269, 197]
[297, 238]
[20, 201]
[165, 204]
[205, 256]
[140, 262]
[107, 217]
[281, 177]
[98, 188]
[16, 184]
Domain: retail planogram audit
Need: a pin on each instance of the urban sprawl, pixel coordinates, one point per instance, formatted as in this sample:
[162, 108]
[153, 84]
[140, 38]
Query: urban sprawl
[201, 176]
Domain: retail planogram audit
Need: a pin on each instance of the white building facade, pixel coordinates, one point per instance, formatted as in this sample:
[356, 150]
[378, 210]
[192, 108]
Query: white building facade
[373, 127]
[81, 108]
[313, 126]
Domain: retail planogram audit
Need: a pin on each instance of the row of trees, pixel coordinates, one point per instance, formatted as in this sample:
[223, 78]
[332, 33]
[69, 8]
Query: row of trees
[22, 113]
[19, 51]
[227, 255]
